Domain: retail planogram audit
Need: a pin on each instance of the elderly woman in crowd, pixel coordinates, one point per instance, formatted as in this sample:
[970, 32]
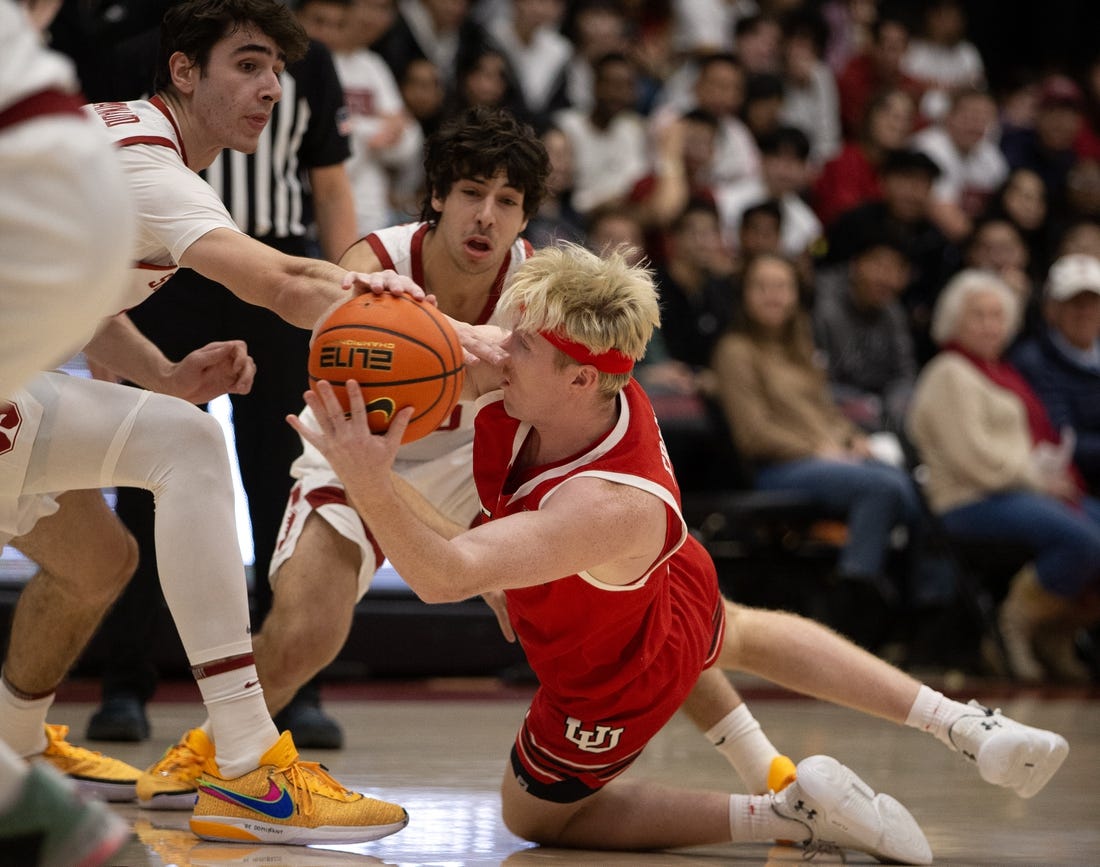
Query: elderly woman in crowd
[998, 470]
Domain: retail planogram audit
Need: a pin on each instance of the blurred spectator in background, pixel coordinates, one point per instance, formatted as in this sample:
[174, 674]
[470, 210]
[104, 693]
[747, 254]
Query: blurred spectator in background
[537, 54]
[852, 177]
[1022, 201]
[784, 176]
[972, 167]
[998, 248]
[810, 99]
[1048, 147]
[437, 30]
[756, 41]
[782, 418]
[763, 108]
[556, 219]
[385, 139]
[863, 332]
[876, 69]
[998, 470]
[761, 231]
[484, 79]
[610, 152]
[1081, 236]
[903, 212]
[940, 58]
[599, 27]
[718, 88]
[1062, 362]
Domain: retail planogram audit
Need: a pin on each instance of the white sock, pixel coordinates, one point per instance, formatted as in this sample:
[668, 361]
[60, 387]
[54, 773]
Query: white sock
[933, 712]
[13, 774]
[752, 820]
[739, 738]
[23, 721]
[242, 727]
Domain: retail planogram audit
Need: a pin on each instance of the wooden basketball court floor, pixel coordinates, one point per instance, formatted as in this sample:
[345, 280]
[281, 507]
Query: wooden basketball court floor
[439, 748]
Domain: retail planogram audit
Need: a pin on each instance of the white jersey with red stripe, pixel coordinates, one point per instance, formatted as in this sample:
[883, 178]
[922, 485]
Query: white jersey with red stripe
[26, 69]
[175, 207]
[594, 646]
[439, 466]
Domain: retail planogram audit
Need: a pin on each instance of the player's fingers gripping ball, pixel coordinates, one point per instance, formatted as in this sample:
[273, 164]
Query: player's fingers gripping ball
[401, 352]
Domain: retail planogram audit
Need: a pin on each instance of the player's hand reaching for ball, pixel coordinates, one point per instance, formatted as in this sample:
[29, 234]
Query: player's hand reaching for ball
[222, 367]
[360, 458]
[359, 283]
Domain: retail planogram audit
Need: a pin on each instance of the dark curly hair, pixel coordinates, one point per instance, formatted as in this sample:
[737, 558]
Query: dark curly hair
[194, 26]
[479, 143]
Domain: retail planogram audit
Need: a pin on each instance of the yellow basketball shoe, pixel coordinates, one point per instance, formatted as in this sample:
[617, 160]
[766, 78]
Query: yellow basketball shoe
[290, 802]
[94, 773]
[172, 783]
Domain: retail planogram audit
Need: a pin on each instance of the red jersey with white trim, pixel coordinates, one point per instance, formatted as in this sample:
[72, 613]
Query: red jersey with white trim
[604, 649]
[175, 207]
[400, 248]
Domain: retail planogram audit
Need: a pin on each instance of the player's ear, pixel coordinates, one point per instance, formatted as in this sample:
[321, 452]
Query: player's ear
[184, 72]
[586, 376]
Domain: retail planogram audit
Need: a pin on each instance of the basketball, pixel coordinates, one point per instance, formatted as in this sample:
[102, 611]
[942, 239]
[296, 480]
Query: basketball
[401, 352]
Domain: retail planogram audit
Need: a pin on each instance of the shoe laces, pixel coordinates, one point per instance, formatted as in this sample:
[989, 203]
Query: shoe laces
[180, 757]
[310, 778]
[822, 847]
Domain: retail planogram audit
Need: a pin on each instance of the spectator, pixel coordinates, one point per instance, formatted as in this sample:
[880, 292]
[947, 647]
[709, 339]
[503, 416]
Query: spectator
[862, 329]
[941, 59]
[325, 21]
[609, 143]
[483, 78]
[1081, 236]
[852, 177]
[1022, 201]
[537, 54]
[784, 176]
[997, 470]
[763, 104]
[718, 88]
[556, 219]
[757, 40]
[760, 232]
[1062, 363]
[850, 24]
[1048, 147]
[810, 100]
[783, 419]
[972, 167]
[384, 137]
[903, 211]
[599, 27]
[422, 93]
[998, 247]
[876, 69]
[706, 26]
[437, 30]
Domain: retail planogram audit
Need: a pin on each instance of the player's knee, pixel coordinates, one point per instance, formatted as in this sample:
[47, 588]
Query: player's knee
[106, 577]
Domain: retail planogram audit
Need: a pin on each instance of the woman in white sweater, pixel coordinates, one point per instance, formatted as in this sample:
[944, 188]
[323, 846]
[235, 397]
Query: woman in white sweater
[998, 470]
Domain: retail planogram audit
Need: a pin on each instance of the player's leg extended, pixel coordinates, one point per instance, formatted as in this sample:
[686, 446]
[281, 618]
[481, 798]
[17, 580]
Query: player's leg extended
[313, 601]
[809, 658]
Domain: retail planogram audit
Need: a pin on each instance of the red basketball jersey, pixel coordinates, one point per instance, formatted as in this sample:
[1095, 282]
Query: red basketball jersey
[604, 648]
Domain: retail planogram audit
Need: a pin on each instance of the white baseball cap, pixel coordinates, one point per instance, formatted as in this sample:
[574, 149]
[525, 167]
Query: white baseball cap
[1071, 275]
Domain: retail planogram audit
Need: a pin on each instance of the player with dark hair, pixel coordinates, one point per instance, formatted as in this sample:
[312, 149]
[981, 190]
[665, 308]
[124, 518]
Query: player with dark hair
[76, 436]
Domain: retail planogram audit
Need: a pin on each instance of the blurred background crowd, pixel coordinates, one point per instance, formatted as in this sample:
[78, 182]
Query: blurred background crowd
[876, 231]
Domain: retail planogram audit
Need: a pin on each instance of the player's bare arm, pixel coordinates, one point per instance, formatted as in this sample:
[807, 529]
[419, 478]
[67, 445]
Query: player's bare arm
[611, 531]
[221, 367]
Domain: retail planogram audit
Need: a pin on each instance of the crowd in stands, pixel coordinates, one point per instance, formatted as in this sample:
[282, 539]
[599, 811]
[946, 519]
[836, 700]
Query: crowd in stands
[874, 255]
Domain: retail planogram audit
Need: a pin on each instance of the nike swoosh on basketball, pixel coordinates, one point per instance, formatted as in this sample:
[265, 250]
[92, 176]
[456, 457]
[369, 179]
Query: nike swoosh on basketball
[276, 804]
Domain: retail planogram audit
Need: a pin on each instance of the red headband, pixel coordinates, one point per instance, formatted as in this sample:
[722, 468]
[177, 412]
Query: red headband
[611, 361]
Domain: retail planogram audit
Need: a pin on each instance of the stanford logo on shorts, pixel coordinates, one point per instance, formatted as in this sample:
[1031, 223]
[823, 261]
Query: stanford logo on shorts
[10, 420]
[601, 740]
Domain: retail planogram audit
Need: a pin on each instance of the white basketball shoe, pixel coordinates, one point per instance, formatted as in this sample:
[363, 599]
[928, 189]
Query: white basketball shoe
[840, 811]
[1008, 753]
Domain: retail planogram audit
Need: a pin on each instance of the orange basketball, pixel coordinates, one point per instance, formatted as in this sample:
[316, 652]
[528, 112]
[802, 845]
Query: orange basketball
[401, 352]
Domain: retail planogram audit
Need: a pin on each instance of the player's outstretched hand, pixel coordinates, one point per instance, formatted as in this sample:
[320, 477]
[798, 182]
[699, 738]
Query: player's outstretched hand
[481, 343]
[222, 367]
[360, 458]
[384, 281]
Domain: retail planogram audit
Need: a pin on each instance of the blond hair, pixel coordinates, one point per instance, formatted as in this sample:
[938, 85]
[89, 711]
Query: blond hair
[602, 302]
